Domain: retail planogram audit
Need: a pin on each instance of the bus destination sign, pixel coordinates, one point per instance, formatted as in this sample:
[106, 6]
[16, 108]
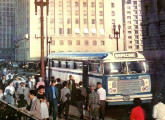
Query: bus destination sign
[125, 55]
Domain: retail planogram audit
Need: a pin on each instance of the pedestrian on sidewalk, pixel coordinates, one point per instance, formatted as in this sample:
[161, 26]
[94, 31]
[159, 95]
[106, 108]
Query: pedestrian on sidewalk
[65, 99]
[159, 108]
[102, 95]
[81, 99]
[138, 113]
[59, 86]
[93, 103]
[44, 106]
[52, 97]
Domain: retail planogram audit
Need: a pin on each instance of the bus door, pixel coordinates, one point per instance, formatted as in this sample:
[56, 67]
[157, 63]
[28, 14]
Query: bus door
[85, 76]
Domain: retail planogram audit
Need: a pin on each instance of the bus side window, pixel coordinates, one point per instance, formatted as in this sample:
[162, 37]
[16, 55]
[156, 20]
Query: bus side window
[63, 64]
[67, 65]
[94, 67]
[59, 64]
[78, 65]
[75, 65]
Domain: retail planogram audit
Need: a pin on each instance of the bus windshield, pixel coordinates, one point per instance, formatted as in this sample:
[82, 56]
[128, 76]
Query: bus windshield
[124, 67]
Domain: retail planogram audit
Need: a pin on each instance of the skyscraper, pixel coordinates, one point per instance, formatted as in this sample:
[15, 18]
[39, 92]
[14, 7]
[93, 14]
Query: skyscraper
[132, 18]
[7, 29]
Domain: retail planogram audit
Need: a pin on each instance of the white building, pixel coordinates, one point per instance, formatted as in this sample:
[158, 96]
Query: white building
[132, 18]
[73, 26]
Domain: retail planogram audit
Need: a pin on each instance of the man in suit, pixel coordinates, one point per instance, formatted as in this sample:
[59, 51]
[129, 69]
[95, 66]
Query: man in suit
[30, 84]
[35, 109]
[52, 97]
[72, 87]
[23, 90]
[59, 86]
[3, 83]
[65, 99]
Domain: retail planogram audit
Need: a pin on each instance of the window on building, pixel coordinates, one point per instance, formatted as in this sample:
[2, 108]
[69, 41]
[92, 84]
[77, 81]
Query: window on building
[113, 13]
[76, 12]
[77, 21]
[102, 42]
[112, 5]
[52, 42]
[128, 7]
[136, 41]
[100, 5]
[135, 17]
[85, 21]
[136, 22]
[128, 12]
[94, 42]
[129, 27]
[136, 26]
[93, 21]
[135, 12]
[137, 46]
[135, 7]
[92, 4]
[86, 42]
[135, 2]
[130, 42]
[101, 13]
[76, 4]
[130, 47]
[136, 37]
[60, 30]
[129, 32]
[129, 22]
[77, 42]
[61, 42]
[128, 17]
[68, 21]
[84, 4]
[101, 21]
[69, 31]
[136, 31]
[69, 42]
[129, 37]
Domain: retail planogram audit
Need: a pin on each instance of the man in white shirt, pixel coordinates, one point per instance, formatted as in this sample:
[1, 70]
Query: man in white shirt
[159, 108]
[102, 94]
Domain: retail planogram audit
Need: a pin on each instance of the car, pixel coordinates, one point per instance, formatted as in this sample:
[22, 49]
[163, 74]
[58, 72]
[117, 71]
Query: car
[30, 66]
[14, 65]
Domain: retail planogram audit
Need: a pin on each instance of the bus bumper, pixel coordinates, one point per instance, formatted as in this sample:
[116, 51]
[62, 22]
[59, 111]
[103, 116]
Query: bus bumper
[127, 99]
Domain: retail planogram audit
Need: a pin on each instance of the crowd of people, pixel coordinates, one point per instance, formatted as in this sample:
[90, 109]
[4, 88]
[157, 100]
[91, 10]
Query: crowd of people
[41, 99]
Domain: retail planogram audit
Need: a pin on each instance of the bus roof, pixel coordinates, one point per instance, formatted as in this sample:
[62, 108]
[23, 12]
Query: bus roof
[96, 55]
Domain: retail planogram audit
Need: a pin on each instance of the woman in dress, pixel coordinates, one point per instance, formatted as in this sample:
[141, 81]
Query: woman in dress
[9, 92]
[44, 106]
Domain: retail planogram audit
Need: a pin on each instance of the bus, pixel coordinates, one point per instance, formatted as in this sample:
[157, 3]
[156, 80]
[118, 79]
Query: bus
[123, 74]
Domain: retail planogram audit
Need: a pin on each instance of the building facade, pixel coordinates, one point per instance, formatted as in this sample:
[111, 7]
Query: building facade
[7, 29]
[132, 18]
[153, 25]
[71, 26]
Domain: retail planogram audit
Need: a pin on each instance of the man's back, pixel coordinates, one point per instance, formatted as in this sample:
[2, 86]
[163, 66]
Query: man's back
[64, 91]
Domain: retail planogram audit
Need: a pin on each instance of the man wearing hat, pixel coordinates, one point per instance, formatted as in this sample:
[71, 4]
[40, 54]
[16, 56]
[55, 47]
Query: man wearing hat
[93, 103]
[23, 90]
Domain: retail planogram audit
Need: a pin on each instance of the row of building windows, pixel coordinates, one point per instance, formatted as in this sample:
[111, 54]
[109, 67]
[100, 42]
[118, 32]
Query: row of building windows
[86, 42]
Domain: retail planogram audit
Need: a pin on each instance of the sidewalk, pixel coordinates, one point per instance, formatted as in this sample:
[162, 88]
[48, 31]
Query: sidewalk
[74, 115]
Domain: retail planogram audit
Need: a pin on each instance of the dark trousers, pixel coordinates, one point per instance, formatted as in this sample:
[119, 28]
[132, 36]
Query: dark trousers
[102, 109]
[53, 105]
[65, 107]
[80, 106]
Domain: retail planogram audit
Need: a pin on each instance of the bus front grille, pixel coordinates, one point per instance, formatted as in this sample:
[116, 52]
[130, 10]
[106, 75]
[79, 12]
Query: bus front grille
[128, 86]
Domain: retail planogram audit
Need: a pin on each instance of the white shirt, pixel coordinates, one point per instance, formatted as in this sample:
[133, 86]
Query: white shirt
[159, 111]
[10, 89]
[1, 96]
[7, 76]
[102, 93]
[34, 81]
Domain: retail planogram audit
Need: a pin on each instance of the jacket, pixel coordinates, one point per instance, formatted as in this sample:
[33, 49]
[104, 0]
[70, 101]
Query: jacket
[49, 94]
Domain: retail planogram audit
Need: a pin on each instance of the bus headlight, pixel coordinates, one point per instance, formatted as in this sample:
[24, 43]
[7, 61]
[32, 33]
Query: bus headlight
[145, 83]
[112, 87]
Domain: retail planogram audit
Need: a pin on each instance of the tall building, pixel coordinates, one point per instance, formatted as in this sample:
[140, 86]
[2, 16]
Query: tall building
[7, 29]
[71, 26]
[132, 18]
[153, 25]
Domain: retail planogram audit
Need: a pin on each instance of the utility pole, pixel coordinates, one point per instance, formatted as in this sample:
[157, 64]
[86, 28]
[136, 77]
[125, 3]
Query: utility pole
[41, 4]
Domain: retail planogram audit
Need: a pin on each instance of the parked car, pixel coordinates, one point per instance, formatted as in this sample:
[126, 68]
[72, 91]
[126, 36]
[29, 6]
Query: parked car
[14, 65]
[30, 66]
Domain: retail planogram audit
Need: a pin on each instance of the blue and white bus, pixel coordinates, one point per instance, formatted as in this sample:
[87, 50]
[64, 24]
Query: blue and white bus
[122, 74]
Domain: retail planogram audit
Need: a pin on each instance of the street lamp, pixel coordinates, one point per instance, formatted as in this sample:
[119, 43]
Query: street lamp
[117, 34]
[41, 4]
